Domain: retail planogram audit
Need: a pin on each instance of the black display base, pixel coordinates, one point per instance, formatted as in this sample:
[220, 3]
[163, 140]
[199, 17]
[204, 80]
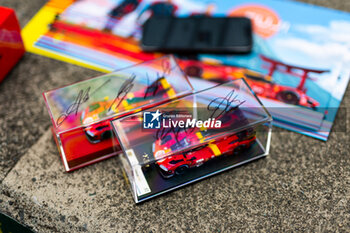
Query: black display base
[159, 184]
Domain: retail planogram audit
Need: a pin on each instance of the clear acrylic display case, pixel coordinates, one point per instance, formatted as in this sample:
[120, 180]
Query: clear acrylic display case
[193, 137]
[81, 112]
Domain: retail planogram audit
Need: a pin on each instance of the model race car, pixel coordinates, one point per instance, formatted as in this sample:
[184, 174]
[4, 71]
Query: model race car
[262, 85]
[178, 163]
[268, 89]
[106, 109]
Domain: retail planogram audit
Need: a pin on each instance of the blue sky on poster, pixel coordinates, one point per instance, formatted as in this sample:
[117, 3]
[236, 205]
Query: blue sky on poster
[316, 37]
[315, 33]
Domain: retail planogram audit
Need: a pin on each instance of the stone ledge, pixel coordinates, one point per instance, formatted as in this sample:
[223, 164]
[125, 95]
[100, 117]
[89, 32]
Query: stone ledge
[292, 189]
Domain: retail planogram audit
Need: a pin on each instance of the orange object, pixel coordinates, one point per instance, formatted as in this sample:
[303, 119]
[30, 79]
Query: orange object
[266, 22]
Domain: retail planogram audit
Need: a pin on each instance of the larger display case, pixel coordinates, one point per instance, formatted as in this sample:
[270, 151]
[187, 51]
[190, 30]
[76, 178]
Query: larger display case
[81, 112]
[193, 137]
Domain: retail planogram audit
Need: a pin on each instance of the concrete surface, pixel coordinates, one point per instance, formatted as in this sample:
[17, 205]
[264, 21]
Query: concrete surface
[23, 115]
[304, 185]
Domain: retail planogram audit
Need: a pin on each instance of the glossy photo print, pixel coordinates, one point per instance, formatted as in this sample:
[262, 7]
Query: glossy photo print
[298, 66]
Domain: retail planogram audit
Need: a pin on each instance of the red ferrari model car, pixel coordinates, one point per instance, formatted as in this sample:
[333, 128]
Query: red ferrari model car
[180, 162]
[99, 131]
[98, 110]
[261, 85]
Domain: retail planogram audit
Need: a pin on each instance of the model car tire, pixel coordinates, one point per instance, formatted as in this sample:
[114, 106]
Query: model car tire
[288, 97]
[239, 149]
[106, 135]
[194, 71]
[166, 175]
[181, 170]
[92, 139]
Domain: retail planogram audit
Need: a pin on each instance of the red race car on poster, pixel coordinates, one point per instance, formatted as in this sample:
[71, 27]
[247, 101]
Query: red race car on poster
[262, 85]
[180, 162]
[105, 109]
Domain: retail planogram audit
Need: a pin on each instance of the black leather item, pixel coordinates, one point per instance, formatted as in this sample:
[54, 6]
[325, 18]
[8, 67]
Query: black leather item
[197, 35]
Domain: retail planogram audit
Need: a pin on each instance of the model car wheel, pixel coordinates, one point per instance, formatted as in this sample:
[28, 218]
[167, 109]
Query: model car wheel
[194, 71]
[181, 170]
[165, 174]
[106, 135]
[92, 139]
[239, 149]
[288, 97]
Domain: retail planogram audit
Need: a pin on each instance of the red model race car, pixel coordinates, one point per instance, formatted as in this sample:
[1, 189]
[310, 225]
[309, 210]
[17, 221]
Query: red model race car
[179, 163]
[98, 110]
[260, 84]
[99, 131]
[269, 89]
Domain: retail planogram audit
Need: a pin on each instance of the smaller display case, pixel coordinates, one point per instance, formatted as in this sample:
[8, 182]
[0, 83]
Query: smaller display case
[188, 139]
[81, 112]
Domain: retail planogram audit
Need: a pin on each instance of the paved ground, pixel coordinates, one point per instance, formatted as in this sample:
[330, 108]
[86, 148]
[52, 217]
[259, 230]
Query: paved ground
[303, 185]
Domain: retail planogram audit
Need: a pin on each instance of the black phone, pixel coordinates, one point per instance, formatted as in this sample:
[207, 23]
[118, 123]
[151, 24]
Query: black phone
[197, 35]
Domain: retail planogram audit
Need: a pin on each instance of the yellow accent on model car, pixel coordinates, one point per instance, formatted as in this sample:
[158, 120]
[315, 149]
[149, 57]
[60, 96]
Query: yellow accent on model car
[166, 85]
[215, 149]
[199, 135]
